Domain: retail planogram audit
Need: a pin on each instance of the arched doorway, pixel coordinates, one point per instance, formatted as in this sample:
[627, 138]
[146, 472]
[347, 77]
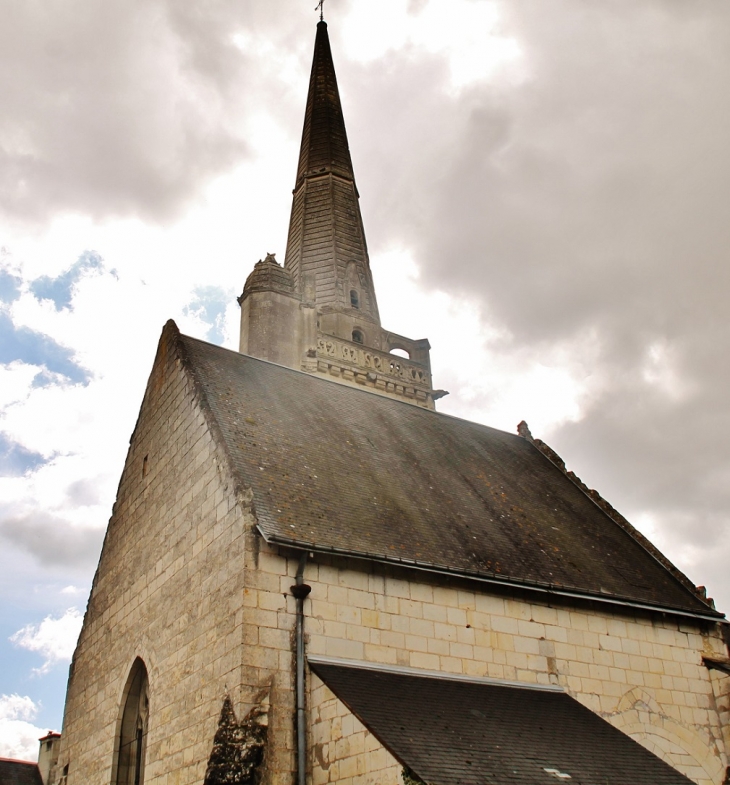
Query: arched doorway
[132, 741]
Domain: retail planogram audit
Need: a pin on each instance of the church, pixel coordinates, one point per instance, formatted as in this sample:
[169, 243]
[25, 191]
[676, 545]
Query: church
[311, 576]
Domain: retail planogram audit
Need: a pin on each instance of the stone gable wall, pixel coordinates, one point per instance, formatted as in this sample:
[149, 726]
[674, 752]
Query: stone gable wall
[641, 672]
[168, 589]
[187, 584]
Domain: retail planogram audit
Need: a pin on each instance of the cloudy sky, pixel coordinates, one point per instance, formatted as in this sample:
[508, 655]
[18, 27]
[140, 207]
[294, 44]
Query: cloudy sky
[545, 187]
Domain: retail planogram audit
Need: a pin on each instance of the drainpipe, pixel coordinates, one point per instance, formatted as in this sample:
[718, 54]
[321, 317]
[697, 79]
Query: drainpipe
[300, 590]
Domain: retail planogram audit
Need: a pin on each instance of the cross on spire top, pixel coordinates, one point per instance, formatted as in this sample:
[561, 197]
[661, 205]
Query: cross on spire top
[320, 6]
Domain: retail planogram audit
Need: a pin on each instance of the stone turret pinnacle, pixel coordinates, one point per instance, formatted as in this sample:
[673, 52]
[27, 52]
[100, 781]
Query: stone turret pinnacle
[326, 251]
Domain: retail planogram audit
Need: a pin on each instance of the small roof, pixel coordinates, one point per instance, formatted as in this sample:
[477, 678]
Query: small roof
[334, 468]
[19, 772]
[451, 732]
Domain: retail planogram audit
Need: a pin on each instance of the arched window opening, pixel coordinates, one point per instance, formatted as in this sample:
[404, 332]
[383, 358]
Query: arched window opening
[133, 729]
[400, 352]
[354, 298]
[357, 336]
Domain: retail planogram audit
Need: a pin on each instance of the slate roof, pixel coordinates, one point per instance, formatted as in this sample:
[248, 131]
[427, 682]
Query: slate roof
[452, 732]
[19, 772]
[339, 469]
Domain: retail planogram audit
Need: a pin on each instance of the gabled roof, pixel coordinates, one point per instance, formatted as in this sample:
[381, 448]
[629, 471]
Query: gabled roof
[333, 468]
[454, 732]
[19, 772]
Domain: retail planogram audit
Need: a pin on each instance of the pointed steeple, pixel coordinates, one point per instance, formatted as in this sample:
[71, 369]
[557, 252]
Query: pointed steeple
[318, 313]
[324, 139]
[326, 250]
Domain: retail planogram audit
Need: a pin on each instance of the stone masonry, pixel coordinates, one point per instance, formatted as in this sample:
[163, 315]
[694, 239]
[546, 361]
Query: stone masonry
[642, 673]
[169, 589]
[188, 584]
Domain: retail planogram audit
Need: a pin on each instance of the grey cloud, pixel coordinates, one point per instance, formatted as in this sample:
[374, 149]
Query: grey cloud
[51, 540]
[84, 492]
[117, 108]
[589, 200]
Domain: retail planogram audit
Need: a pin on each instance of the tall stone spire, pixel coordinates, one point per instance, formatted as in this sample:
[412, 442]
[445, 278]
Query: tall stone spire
[326, 251]
[318, 312]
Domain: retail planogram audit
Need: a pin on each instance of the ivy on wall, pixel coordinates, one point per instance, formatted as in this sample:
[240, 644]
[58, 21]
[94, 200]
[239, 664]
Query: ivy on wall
[239, 749]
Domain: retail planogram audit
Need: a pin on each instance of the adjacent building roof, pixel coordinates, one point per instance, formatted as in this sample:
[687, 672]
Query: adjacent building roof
[19, 772]
[338, 469]
[452, 732]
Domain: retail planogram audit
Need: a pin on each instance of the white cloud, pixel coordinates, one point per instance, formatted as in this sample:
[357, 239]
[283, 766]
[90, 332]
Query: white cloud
[464, 32]
[490, 378]
[53, 639]
[71, 590]
[18, 736]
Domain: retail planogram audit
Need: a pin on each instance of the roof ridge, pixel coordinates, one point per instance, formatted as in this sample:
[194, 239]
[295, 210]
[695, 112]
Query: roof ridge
[500, 523]
[357, 389]
[201, 397]
[612, 513]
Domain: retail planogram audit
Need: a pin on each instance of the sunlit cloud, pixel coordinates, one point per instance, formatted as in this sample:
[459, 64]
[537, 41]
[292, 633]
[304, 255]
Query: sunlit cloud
[18, 736]
[53, 639]
[465, 32]
[490, 379]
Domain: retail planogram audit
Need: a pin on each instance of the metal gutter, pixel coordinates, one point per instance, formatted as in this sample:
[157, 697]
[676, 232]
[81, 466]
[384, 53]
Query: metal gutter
[300, 590]
[543, 588]
[405, 670]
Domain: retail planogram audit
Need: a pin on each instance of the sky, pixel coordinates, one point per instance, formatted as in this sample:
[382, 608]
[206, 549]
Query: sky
[545, 187]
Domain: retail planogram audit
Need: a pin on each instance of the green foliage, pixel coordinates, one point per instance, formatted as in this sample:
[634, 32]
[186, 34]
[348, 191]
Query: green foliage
[410, 777]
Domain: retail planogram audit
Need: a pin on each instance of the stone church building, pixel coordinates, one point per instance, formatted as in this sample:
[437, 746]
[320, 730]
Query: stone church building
[311, 576]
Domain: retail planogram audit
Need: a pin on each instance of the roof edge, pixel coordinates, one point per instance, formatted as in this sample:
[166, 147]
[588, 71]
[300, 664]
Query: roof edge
[612, 513]
[201, 399]
[19, 760]
[406, 670]
[542, 588]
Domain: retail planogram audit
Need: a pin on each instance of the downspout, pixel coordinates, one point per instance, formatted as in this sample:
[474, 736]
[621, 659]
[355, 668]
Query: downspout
[300, 590]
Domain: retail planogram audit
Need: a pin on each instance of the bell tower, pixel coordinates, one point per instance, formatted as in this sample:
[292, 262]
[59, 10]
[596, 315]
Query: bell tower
[319, 313]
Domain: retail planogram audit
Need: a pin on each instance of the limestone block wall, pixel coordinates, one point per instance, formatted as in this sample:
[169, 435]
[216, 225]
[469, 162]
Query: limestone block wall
[168, 589]
[187, 584]
[276, 327]
[640, 671]
[342, 748]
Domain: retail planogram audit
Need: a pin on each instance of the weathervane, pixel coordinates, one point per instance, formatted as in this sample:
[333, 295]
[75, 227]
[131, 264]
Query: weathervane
[320, 5]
